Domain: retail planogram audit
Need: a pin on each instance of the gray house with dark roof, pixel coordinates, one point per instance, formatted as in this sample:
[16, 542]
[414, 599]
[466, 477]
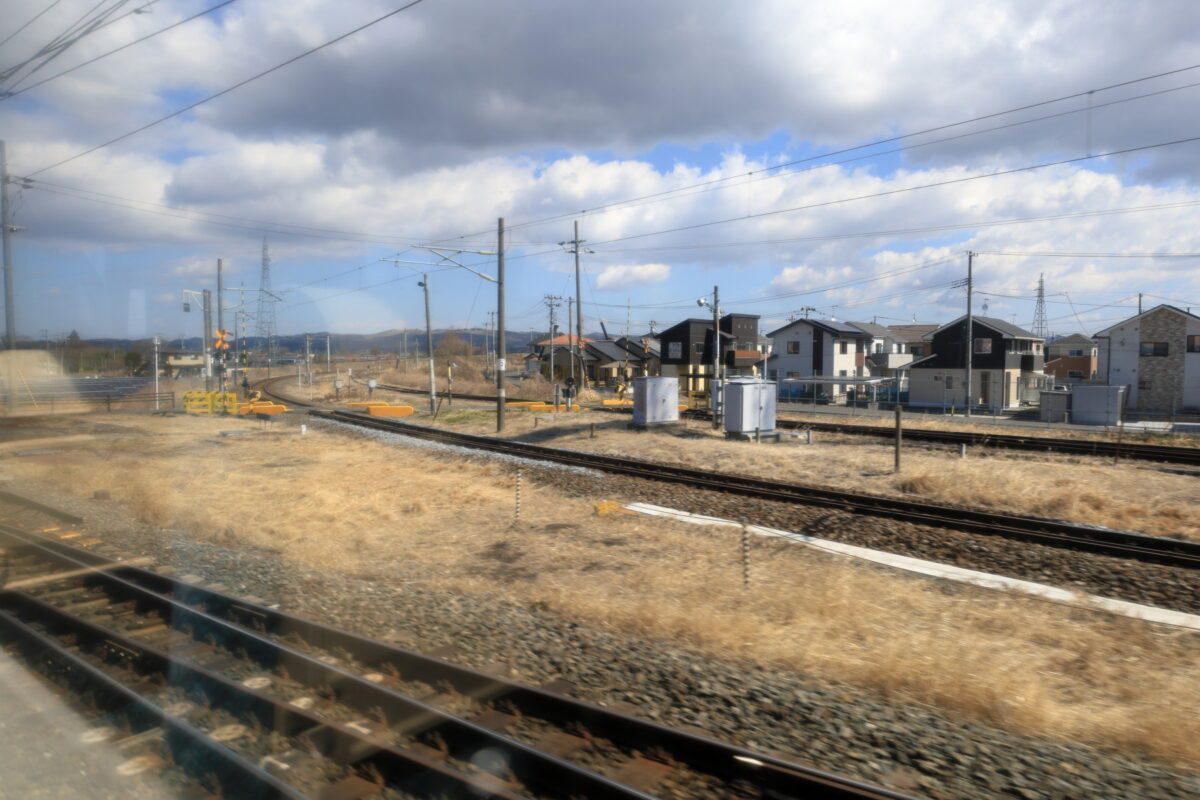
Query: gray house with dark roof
[815, 348]
[1006, 364]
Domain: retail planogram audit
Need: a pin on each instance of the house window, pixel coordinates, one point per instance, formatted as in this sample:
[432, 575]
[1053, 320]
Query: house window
[1074, 373]
[879, 347]
[793, 375]
[1153, 349]
[917, 349]
[983, 346]
[842, 373]
[675, 350]
[843, 347]
[698, 347]
[1193, 344]
[949, 382]
[793, 348]
[1144, 385]
[1074, 352]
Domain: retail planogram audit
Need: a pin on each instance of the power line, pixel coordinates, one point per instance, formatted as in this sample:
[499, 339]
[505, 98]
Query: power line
[756, 176]
[74, 32]
[866, 145]
[1085, 255]
[43, 81]
[195, 215]
[890, 192]
[185, 214]
[906, 231]
[35, 18]
[229, 89]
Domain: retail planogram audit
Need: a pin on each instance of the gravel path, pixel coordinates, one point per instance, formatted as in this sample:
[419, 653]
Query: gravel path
[833, 727]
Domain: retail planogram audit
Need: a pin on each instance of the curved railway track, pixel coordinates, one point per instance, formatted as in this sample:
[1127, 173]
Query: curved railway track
[257, 703]
[1043, 444]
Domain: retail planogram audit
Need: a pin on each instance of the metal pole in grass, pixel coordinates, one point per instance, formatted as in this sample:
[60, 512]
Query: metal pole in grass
[745, 554]
[517, 510]
[899, 437]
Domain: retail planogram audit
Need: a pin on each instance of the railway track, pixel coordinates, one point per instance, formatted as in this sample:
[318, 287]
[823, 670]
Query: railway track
[1043, 444]
[256, 703]
[1172, 552]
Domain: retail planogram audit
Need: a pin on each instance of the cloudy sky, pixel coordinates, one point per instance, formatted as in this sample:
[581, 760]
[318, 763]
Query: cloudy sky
[841, 157]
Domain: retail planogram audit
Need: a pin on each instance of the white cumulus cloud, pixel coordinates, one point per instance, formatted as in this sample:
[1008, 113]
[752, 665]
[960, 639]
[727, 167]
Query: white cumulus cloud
[623, 276]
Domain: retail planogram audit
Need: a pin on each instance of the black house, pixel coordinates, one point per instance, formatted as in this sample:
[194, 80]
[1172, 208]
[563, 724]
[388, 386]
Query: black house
[687, 348]
[1006, 360]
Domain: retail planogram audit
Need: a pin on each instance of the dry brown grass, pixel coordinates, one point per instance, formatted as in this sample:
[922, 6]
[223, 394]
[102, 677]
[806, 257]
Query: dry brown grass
[1090, 490]
[939, 422]
[328, 502]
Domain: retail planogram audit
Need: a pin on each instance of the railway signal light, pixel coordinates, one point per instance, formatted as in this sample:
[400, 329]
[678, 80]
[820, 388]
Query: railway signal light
[221, 343]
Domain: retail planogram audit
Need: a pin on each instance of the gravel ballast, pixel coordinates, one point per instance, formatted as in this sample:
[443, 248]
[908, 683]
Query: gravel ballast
[838, 728]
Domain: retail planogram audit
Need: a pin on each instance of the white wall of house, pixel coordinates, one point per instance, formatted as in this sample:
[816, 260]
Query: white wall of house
[792, 356]
[929, 388]
[1118, 358]
[1120, 353]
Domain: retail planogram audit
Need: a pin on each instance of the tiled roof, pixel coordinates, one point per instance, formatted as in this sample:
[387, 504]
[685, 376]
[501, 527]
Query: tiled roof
[878, 331]
[562, 339]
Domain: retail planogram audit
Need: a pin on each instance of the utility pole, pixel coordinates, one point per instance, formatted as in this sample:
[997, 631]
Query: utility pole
[970, 332]
[570, 347]
[424, 284]
[501, 349]
[715, 378]
[716, 393]
[552, 301]
[220, 357]
[308, 362]
[576, 247]
[10, 317]
[208, 361]
[220, 294]
[156, 343]
[328, 354]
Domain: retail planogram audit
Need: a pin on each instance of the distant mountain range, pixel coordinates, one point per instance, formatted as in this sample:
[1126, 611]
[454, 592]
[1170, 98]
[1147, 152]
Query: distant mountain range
[411, 340]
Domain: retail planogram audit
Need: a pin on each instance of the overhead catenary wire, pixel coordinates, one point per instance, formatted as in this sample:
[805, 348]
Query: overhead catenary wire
[914, 230]
[228, 89]
[388, 237]
[771, 173]
[43, 81]
[234, 221]
[32, 20]
[875, 143]
[75, 32]
[902, 190]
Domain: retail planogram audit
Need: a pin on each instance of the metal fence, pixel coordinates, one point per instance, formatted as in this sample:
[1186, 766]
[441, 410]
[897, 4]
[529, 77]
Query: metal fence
[62, 402]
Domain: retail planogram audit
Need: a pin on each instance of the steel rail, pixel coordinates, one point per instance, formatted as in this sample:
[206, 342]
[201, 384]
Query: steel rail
[191, 750]
[1055, 533]
[777, 776]
[553, 776]
[1089, 447]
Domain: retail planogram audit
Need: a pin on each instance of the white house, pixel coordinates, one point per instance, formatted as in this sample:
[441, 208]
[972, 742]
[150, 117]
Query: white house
[1156, 356]
[807, 348]
[886, 353]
